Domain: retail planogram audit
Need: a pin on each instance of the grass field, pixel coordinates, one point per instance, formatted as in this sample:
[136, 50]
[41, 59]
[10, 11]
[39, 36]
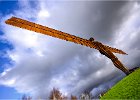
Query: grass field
[127, 88]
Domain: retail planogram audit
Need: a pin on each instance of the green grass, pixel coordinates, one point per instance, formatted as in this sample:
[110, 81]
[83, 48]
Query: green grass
[127, 88]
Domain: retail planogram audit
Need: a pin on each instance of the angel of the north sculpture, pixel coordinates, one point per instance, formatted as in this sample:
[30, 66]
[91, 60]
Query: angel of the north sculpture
[103, 49]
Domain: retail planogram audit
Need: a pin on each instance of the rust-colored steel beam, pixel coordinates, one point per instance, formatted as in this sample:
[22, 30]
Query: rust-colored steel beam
[18, 22]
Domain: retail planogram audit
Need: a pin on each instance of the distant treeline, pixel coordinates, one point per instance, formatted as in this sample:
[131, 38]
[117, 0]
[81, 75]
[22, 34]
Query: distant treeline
[55, 94]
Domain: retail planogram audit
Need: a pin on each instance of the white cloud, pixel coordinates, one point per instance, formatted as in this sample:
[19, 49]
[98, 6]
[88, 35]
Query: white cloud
[43, 62]
[9, 82]
[43, 14]
[5, 72]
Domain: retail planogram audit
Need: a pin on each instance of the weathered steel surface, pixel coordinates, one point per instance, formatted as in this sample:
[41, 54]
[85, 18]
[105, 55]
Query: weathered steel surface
[18, 22]
[103, 50]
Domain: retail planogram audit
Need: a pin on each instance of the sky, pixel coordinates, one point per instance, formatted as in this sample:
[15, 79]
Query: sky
[32, 63]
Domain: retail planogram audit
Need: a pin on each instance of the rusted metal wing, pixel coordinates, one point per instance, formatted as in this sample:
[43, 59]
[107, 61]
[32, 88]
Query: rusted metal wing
[48, 31]
[18, 22]
[115, 50]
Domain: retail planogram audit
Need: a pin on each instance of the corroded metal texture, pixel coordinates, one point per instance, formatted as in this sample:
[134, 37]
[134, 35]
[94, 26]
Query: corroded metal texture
[103, 50]
[18, 22]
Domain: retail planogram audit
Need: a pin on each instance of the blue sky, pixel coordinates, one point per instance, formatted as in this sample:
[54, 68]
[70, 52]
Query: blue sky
[6, 7]
[31, 63]
[9, 93]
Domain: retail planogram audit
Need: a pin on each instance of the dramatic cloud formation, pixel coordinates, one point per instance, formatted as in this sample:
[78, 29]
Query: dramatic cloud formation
[40, 62]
